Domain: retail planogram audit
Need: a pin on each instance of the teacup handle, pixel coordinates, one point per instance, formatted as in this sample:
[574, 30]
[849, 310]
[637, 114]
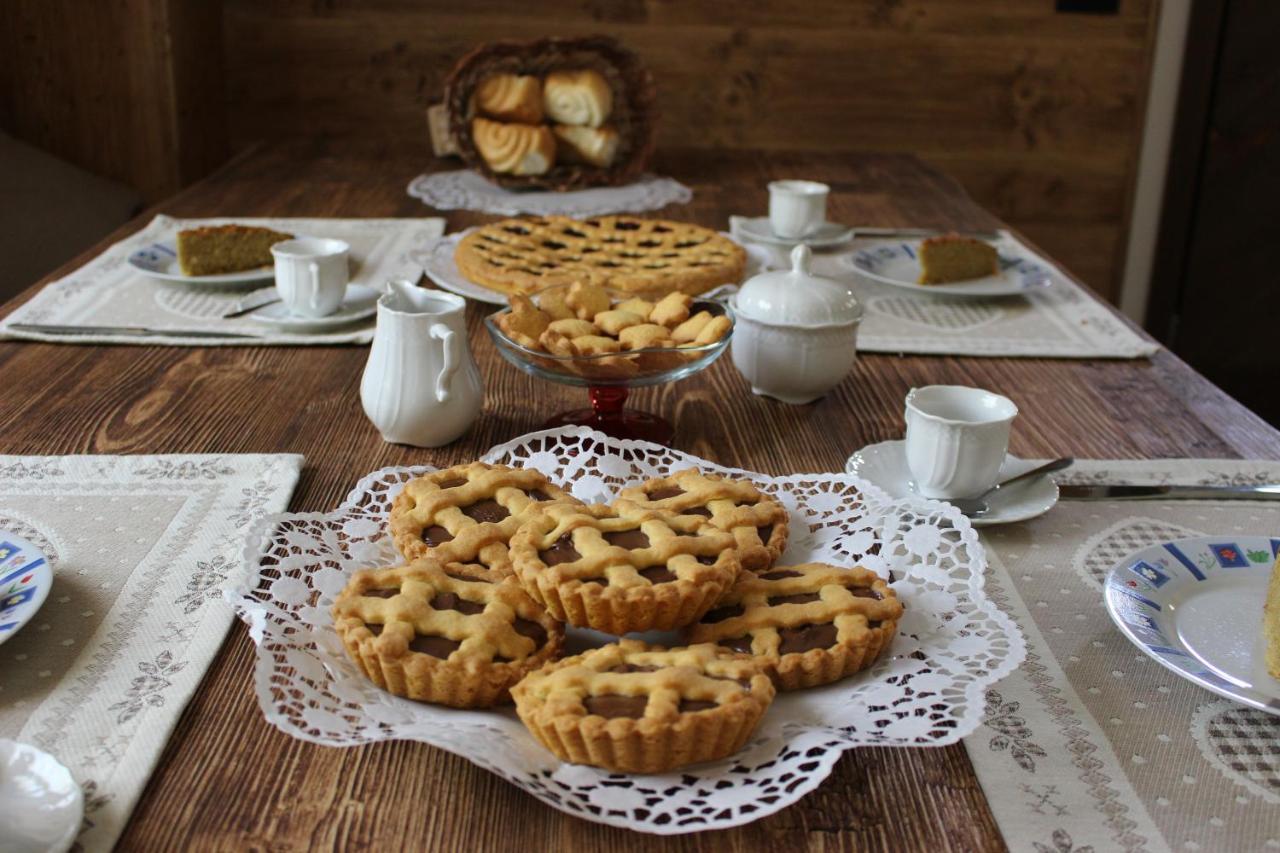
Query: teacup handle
[441, 332]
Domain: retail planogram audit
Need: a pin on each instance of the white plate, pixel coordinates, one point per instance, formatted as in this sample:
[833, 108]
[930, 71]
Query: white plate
[440, 267]
[41, 805]
[758, 229]
[895, 262]
[360, 303]
[25, 578]
[160, 260]
[1195, 606]
[885, 465]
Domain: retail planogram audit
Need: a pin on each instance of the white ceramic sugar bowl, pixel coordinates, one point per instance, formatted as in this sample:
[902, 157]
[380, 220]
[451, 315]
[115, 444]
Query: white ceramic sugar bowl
[796, 333]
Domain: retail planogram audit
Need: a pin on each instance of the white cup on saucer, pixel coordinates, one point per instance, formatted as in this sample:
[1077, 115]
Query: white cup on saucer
[957, 438]
[797, 208]
[311, 274]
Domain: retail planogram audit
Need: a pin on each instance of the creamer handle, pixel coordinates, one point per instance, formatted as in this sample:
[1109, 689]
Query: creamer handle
[442, 333]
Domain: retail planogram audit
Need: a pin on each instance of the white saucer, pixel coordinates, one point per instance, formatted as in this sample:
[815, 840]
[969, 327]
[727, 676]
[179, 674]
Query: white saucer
[361, 302]
[895, 262]
[885, 465]
[758, 229]
[41, 805]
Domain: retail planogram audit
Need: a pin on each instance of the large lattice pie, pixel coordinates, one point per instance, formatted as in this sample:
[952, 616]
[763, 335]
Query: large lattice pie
[644, 257]
[811, 624]
[421, 632]
[639, 709]
[758, 522]
[622, 568]
[464, 516]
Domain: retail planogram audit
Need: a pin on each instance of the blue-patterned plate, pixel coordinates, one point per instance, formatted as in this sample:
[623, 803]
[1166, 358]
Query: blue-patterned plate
[895, 262]
[1195, 605]
[160, 260]
[25, 578]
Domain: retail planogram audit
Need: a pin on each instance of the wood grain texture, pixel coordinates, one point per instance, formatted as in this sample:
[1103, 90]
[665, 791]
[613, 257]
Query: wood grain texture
[229, 781]
[1037, 113]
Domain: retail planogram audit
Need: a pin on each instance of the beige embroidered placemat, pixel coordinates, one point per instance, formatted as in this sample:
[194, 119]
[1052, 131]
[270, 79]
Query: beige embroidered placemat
[107, 291]
[1060, 321]
[1091, 744]
[140, 547]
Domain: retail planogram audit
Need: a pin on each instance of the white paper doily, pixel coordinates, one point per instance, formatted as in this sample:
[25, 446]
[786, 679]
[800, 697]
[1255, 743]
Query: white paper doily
[468, 190]
[929, 691]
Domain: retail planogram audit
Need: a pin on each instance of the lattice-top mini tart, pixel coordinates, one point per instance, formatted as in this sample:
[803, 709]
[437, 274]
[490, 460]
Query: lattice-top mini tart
[466, 515]
[758, 522]
[644, 709]
[424, 633]
[812, 624]
[621, 568]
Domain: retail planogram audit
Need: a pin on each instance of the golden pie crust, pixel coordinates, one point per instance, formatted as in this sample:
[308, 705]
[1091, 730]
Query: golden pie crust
[758, 522]
[644, 257]
[810, 624]
[423, 633]
[698, 704]
[464, 516]
[621, 568]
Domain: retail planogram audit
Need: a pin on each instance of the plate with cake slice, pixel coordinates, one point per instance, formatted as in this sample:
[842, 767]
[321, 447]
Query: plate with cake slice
[950, 265]
[211, 255]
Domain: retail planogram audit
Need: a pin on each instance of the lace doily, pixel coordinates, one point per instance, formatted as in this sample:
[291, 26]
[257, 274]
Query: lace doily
[467, 190]
[928, 691]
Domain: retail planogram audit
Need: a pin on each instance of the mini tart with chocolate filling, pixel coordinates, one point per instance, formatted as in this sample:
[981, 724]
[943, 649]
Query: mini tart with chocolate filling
[466, 515]
[621, 568]
[425, 633]
[811, 624]
[758, 522]
[635, 708]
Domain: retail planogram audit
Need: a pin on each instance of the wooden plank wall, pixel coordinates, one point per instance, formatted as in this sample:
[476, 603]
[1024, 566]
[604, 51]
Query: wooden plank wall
[1036, 112]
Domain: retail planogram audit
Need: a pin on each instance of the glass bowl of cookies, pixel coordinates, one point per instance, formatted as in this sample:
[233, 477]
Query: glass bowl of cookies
[609, 342]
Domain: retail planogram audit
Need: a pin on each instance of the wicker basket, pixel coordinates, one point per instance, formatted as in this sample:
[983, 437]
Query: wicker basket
[634, 113]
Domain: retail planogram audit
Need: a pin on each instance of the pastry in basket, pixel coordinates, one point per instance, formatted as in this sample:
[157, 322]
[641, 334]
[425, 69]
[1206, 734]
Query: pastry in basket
[950, 257]
[758, 522]
[518, 149]
[463, 517]
[643, 709]
[812, 624]
[510, 97]
[581, 97]
[590, 145]
[619, 568]
[1271, 622]
[217, 249]
[644, 257]
[420, 632]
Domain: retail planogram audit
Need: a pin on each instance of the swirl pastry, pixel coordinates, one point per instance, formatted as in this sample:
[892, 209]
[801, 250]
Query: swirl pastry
[595, 146]
[577, 97]
[511, 97]
[516, 149]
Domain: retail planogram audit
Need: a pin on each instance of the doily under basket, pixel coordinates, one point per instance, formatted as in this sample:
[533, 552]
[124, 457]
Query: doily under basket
[928, 690]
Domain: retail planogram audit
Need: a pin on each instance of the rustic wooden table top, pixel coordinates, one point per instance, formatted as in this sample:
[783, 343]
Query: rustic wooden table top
[228, 780]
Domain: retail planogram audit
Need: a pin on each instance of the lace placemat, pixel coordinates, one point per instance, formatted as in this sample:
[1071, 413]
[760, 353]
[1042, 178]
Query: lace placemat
[107, 291]
[467, 190]
[139, 546]
[1091, 744]
[1061, 321]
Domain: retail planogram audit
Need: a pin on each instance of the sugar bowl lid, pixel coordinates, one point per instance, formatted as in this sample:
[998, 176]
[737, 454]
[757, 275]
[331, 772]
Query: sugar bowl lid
[797, 297]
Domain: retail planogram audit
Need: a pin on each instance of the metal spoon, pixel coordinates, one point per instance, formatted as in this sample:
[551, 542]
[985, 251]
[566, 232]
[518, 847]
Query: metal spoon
[977, 507]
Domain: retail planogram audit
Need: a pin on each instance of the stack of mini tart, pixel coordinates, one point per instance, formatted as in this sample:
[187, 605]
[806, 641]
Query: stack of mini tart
[501, 559]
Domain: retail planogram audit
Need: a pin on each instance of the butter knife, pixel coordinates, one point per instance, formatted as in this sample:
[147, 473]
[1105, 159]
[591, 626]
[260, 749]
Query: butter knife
[131, 331]
[1263, 492]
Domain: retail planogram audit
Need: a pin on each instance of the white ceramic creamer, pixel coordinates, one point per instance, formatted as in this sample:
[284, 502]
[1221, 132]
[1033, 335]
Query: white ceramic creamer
[421, 385]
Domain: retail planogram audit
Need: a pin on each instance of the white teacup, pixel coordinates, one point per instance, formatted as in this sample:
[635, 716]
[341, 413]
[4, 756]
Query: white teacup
[797, 208]
[957, 438]
[311, 274]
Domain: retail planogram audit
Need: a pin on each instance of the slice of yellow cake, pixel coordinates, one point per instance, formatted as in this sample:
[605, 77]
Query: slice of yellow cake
[1271, 622]
[950, 257]
[214, 249]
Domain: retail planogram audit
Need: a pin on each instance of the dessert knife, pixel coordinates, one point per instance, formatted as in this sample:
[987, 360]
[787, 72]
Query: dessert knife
[1262, 492]
[132, 331]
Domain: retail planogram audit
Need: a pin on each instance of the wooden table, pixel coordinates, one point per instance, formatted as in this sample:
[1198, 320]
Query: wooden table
[228, 780]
